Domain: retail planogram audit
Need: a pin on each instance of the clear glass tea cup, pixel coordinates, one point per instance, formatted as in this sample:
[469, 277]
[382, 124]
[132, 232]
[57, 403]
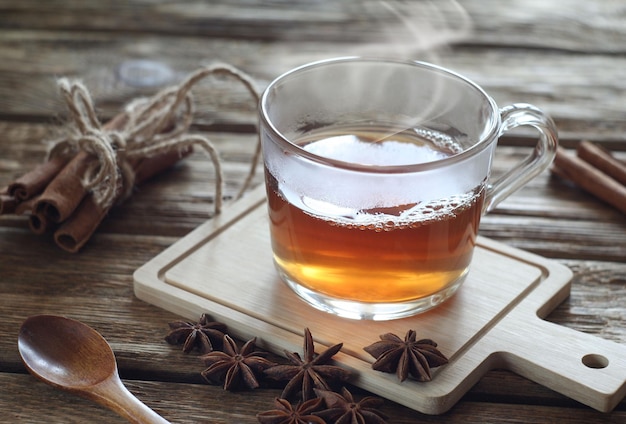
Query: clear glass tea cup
[377, 175]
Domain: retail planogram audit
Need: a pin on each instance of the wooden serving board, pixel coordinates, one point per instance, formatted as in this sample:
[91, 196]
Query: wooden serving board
[225, 268]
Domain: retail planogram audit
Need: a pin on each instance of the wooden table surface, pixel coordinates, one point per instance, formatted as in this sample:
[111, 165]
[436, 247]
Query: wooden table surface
[567, 57]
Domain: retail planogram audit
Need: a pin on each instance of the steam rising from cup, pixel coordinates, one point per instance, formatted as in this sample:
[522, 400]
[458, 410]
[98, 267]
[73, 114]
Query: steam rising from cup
[416, 29]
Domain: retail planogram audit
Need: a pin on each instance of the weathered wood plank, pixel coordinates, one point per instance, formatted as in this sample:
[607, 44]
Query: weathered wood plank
[577, 26]
[188, 403]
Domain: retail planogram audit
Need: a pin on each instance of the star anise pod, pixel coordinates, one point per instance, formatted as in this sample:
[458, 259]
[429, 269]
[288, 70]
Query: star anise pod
[406, 356]
[201, 335]
[343, 409]
[235, 367]
[311, 372]
[286, 414]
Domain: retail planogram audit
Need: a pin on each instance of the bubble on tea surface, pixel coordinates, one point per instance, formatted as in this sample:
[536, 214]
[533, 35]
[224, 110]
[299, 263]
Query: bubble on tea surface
[441, 140]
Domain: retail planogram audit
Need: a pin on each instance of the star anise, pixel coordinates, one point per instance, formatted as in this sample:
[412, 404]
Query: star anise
[311, 372]
[286, 414]
[235, 367]
[406, 356]
[201, 335]
[343, 409]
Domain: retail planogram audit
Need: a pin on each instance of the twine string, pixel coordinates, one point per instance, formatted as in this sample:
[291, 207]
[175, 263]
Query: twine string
[148, 127]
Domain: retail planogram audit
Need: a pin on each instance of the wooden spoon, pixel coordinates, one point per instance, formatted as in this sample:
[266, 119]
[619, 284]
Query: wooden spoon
[72, 356]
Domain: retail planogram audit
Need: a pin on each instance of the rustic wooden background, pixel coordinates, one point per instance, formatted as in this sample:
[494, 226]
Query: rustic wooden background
[567, 57]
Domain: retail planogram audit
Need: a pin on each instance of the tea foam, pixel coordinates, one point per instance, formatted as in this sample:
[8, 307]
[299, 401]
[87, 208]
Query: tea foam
[380, 220]
[365, 189]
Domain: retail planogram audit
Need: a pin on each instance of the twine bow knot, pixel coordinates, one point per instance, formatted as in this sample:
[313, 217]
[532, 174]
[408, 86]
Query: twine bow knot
[148, 126]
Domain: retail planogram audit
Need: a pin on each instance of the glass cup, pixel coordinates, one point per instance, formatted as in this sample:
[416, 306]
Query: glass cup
[377, 174]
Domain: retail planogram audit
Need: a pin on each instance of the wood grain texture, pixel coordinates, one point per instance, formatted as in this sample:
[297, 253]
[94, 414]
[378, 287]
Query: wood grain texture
[576, 25]
[566, 57]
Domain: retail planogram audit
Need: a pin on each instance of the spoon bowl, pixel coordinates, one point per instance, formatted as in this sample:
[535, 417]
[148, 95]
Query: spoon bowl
[72, 356]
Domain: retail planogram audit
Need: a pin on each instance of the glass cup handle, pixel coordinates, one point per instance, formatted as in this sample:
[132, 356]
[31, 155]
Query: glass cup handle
[514, 116]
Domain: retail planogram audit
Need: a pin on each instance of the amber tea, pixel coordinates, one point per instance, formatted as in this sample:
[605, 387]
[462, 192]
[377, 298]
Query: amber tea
[389, 253]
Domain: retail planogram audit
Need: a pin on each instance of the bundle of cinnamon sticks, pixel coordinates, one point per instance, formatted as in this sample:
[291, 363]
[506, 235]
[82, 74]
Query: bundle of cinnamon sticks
[54, 199]
[96, 166]
[595, 170]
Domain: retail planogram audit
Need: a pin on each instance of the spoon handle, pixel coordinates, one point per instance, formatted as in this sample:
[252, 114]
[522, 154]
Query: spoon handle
[112, 394]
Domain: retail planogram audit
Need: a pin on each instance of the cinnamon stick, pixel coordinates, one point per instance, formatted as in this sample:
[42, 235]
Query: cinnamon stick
[65, 192]
[151, 166]
[35, 181]
[602, 159]
[37, 223]
[26, 207]
[77, 230]
[590, 179]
